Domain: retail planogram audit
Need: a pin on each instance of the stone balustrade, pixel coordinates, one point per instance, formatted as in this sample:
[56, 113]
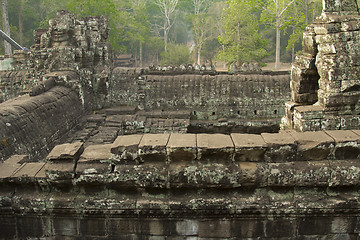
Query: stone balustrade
[166, 161]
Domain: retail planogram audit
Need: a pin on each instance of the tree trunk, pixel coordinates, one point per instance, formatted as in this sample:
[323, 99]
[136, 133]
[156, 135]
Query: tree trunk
[277, 54]
[165, 38]
[199, 56]
[140, 54]
[6, 26]
[21, 26]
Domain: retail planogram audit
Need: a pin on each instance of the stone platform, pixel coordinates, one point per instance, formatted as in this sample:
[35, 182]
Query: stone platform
[288, 185]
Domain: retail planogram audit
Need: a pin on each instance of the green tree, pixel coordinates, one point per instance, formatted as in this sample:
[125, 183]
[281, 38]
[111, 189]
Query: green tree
[275, 15]
[177, 54]
[241, 39]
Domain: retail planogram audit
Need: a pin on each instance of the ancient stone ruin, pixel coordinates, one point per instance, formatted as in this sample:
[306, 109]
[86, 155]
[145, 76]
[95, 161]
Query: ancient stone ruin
[325, 86]
[96, 152]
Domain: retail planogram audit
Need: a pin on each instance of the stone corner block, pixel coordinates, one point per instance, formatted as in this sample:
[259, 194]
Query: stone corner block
[215, 147]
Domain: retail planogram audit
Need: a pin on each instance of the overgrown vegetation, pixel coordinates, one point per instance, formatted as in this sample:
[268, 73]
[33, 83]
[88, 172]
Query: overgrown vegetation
[155, 30]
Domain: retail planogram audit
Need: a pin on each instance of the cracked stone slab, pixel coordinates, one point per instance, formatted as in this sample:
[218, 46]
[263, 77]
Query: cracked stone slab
[249, 147]
[181, 147]
[152, 147]
[215, 147]
[126, 148]
[313, 145]
[96, 153]
[281, 147]
[66, 152]
[8, 169]
[29, 170]
[17, 159]
[347, 144]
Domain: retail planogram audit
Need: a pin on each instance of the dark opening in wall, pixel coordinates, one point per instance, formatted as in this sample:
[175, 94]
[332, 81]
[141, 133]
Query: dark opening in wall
[255, 112]
[275, 112]
[194, 113]
[213, 113]
[238, 112]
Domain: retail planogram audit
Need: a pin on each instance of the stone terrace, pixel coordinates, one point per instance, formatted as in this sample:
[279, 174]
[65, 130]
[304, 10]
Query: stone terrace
[150, 185]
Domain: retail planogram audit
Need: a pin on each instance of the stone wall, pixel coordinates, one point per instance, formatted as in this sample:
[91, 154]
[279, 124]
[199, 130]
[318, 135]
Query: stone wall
[209, 97]
[200, 186]
[325, 76]
[33, 125]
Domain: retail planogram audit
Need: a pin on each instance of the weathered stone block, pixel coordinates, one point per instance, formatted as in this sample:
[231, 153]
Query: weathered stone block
[17, 159]
[314, 225]
[29, 170]
[347, 144]
[322, 29]
[249, 147]
[152, 147]
[313, 146]
[92, 226]
[187, 227]
[96, 153]
[126, 149]
[344, 173]
[215, 148]
[119, 227]
[280, 229]
[57, 171]
[281, 147]
[248, 228]
[66, 152]
[67, 227]
[214, 229]
[300, 174]
[181, 147]
[152, 175]
[92, 168]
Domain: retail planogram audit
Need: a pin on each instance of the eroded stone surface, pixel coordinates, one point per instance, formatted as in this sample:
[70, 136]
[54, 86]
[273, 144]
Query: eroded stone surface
[313, 145]
[126, 148]
[66, 152]
[249, 147]
[281, 147]
[215, 147]
[152, 147]
[96, 153]
[181, 147]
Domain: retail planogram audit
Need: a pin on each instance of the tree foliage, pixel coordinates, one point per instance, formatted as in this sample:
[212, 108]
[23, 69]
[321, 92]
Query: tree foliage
[177, 54]
[241, 39]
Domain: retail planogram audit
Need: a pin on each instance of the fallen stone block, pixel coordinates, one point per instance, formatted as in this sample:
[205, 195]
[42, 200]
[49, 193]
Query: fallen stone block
[152, 148]
[181, 147]
[281, 147]
[249, 147]
[125, 149]
[313, 146]
[347, 144]
[66, 152]
[215, 148]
